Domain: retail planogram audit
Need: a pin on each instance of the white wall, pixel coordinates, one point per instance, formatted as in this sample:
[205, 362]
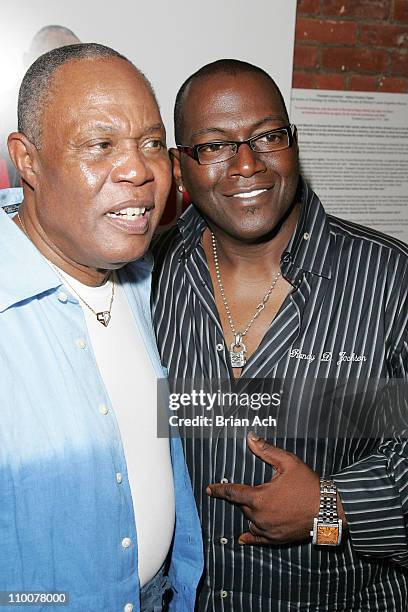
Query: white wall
[167, 39]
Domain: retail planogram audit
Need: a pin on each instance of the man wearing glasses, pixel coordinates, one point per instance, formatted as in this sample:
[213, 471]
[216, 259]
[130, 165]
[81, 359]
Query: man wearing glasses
[257, 284]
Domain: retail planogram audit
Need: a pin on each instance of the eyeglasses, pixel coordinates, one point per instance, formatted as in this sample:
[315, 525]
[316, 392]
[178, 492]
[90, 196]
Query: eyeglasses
[219, 151]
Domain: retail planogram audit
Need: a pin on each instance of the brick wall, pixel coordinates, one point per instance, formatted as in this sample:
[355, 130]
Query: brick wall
[359, 45]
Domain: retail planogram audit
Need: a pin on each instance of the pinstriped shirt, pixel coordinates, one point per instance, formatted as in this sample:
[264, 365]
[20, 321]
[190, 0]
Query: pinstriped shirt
[346, 319]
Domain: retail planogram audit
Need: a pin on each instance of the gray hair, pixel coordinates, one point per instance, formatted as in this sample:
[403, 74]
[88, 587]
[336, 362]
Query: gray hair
[36, 86]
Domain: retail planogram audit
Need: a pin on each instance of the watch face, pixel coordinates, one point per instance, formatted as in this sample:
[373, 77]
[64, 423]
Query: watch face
[327, 535]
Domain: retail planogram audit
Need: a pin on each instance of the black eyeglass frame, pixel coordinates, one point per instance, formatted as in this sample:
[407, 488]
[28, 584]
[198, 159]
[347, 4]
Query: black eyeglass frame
[193, 151]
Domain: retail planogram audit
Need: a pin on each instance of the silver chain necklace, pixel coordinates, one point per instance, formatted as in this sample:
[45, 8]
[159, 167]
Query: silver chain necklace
[103, 316]
[237, 348]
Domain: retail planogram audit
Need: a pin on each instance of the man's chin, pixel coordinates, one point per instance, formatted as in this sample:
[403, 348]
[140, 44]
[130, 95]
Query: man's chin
[252, 233]
[119, 259]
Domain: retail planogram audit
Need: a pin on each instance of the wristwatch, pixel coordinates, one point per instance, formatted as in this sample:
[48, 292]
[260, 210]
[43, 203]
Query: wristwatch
[327, 527]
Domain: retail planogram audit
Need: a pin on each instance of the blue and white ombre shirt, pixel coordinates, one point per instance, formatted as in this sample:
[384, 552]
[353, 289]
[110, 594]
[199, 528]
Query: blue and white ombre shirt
[66, 524]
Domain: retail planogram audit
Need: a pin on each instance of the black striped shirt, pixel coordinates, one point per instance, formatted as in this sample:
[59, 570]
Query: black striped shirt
[345, 319]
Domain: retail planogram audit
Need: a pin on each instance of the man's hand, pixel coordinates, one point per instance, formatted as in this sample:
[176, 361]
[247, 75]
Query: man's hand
[281, 510]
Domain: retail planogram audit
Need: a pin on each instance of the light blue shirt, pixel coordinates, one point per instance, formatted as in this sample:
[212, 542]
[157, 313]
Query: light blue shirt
[10, 199]
[65, 521]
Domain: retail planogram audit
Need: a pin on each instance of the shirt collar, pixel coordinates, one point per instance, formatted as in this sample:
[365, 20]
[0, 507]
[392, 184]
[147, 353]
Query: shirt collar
[10, 199]
[308, 249]
[25, 273]
[191, 225]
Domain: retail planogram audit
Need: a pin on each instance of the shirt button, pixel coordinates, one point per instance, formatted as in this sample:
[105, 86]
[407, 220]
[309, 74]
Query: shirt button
[119, 478]
[223, 594]
[286, 258]
[103, 409]
[128, 607]
[220, 347]
[223, 541]
[224, 480]
[126, 542]
[80, 343]
[62, 297]
[306, 236]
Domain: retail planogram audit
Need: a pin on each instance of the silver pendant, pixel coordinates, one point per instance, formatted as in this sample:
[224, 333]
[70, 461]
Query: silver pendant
[104, 317]
[237, 352]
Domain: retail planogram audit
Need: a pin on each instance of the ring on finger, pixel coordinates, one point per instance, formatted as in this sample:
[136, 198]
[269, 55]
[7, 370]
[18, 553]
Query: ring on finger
[250, 526]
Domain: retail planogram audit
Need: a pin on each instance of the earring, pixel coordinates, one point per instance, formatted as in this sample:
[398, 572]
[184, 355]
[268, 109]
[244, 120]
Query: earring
[180, 188]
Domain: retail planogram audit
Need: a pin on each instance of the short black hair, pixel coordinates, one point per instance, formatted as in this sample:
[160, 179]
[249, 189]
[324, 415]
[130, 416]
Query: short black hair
[36, 85]
[232, 67]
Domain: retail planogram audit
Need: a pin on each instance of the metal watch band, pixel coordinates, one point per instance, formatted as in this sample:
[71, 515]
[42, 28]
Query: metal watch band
[328, 501]
[327, 527]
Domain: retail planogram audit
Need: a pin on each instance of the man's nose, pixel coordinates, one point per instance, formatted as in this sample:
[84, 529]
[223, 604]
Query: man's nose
[133, 167]
[246, 162]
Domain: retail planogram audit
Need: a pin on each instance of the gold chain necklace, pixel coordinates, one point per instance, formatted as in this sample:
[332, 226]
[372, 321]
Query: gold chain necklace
[103, 316]
[237, 348]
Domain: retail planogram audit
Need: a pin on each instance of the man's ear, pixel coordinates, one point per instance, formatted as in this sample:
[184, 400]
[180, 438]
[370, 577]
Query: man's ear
[175, 161]
[24, 156]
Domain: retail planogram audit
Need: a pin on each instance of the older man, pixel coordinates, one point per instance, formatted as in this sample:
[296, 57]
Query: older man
[258, 289]
[94, 507]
